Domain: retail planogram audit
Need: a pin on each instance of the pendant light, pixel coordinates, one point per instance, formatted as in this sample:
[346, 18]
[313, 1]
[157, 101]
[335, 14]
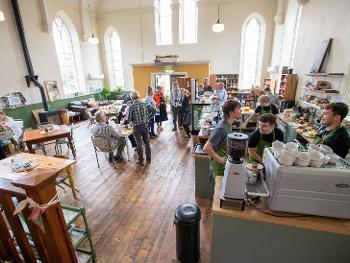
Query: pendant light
[92, 40]
[2, 17]
[218, 27]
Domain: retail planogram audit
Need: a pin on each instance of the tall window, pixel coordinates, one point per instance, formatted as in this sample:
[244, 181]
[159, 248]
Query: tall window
[66, 56]
[252, 44]
[188, 21]
[163, 22]
[114, 54]
[295, 35]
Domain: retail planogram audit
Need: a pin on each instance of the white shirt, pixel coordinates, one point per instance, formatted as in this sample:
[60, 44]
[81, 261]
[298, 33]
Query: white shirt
[17, 131]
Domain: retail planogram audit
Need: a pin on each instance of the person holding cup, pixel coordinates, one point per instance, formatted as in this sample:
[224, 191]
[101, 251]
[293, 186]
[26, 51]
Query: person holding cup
[264, 136]
[332, 133]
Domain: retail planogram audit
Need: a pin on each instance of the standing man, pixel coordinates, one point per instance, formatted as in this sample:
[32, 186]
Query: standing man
[221, 92]
[272, 97]
[333, 133]
[152, 104]
[216, 146]
[263, 137]
[175, 101]
[139, 114]
[207, 87]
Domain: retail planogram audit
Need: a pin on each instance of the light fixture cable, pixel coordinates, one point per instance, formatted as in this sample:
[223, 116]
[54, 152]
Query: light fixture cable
[92, 40]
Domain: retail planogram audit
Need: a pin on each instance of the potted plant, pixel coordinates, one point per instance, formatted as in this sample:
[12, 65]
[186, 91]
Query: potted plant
[105, 93]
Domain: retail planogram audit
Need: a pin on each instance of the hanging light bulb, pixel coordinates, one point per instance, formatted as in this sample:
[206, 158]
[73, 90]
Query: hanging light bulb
[2, 17]
[93, 40]
[218, 26]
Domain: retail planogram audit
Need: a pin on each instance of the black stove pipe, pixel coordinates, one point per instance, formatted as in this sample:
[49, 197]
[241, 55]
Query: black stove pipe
[31, 77]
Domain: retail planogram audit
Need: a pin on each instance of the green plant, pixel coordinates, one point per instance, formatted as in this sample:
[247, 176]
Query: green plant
[105, 92]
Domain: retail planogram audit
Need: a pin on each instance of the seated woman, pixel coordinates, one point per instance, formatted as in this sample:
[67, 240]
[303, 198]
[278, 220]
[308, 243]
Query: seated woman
[108, 131]
[263, 137]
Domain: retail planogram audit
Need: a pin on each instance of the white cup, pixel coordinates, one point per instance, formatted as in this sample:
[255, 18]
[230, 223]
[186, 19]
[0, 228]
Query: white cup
[316, 163]
[286, 160]
[315, 156]
[291, 146]
[277, 144]
[313, 147]
[325, 149]
[325, 159]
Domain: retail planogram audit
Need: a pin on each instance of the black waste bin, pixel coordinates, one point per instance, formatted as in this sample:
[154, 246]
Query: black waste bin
[187, 219]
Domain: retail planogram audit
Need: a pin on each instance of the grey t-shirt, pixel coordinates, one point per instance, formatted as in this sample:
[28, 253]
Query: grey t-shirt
[219, 135]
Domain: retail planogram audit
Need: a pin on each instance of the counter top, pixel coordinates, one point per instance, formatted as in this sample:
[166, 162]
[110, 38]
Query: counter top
[325, 224]
[308, 139]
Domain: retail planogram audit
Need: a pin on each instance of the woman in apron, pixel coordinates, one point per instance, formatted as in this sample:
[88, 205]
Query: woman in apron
[216, 146]
[264, 107]
[263, 137]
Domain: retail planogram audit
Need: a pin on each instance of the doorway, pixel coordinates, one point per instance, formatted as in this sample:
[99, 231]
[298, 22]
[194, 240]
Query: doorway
[166, 80]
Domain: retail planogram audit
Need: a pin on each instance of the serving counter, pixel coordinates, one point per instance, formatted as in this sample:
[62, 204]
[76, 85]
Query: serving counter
[258, 234]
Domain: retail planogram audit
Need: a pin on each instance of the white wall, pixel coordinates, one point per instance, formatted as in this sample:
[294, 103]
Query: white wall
[222, 49]
[40, 45]
[320, 19]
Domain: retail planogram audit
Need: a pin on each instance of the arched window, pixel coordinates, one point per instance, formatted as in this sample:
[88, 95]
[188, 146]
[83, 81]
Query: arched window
[252, 46]
[114, 58]
[67, 57]
[163, 23]
[188, 17]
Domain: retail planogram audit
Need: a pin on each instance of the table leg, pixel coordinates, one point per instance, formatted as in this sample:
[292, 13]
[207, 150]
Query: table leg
[30, 148]
[71, 181]
[72, 147]
[127, 148]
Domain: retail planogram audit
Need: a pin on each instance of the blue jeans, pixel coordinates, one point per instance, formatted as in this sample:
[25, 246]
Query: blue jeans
[151, 126]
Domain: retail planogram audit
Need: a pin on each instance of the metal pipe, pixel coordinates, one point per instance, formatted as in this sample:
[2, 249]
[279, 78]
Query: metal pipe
[31, 77]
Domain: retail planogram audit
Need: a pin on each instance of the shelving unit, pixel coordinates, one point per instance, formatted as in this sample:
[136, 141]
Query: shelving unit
[230, 81]
[287, 86]
[79, 236]
[269, 83]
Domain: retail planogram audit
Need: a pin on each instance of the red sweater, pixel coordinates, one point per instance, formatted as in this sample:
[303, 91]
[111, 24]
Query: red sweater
[156, 98]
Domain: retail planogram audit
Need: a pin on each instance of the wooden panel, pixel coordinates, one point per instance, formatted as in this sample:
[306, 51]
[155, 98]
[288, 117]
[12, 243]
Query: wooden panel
[291, 87]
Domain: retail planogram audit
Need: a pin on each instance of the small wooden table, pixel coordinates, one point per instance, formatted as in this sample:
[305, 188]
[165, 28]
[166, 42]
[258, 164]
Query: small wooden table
[47, 165]
[38, 136]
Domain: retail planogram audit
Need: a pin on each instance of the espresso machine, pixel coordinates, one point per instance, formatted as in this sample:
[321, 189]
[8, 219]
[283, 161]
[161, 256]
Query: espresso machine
[239, 182]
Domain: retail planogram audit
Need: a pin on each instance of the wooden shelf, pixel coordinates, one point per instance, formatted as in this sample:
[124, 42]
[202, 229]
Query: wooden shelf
[333, 75]
[324, 92]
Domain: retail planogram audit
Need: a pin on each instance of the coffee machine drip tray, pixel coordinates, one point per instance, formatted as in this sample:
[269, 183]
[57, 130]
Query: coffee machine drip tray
[259, 189]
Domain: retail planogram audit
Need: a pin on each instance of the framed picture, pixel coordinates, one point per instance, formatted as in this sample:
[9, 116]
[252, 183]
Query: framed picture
[12, 100]
[52, 90]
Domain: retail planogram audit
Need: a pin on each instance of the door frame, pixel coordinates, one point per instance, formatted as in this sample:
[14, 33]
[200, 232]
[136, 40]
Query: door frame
[153, 80]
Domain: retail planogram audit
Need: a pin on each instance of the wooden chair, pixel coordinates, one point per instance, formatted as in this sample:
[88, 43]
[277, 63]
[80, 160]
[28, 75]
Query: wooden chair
[102, 144]
[63, 141]
[63, 176]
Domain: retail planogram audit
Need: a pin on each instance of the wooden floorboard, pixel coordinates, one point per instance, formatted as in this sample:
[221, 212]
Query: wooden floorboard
[130, 209]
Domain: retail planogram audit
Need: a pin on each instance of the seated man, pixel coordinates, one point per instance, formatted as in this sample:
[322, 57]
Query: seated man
[332, 133]
[263, 137]
[9, 122]
[108, 130]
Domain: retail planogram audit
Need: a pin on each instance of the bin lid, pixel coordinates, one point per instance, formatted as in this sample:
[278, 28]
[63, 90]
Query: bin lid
[187, 213]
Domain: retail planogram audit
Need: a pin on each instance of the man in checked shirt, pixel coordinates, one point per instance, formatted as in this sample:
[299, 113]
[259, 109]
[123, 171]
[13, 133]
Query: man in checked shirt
[139, 115]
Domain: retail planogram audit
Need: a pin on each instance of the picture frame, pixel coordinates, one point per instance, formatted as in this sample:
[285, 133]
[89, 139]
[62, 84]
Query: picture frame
[52, 90]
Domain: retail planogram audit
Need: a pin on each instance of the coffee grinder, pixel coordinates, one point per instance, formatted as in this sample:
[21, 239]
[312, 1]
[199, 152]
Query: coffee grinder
[240, 183]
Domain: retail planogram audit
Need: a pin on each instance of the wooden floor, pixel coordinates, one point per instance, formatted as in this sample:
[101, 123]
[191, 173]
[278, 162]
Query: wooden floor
[130, 209]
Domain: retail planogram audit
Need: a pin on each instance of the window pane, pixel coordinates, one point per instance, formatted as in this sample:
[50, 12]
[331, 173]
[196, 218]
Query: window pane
[188, 21]
[251, 42]
[163, 21]
[65, 54]
[115, 56]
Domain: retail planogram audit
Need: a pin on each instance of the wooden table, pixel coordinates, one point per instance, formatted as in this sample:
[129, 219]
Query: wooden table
[38, 136]
[47, 165]
[254, 236]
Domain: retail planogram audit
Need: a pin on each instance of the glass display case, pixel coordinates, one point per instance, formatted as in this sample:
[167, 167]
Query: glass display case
[198, 109]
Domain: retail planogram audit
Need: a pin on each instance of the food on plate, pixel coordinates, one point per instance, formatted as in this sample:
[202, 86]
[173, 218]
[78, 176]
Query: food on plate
[300, 130]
